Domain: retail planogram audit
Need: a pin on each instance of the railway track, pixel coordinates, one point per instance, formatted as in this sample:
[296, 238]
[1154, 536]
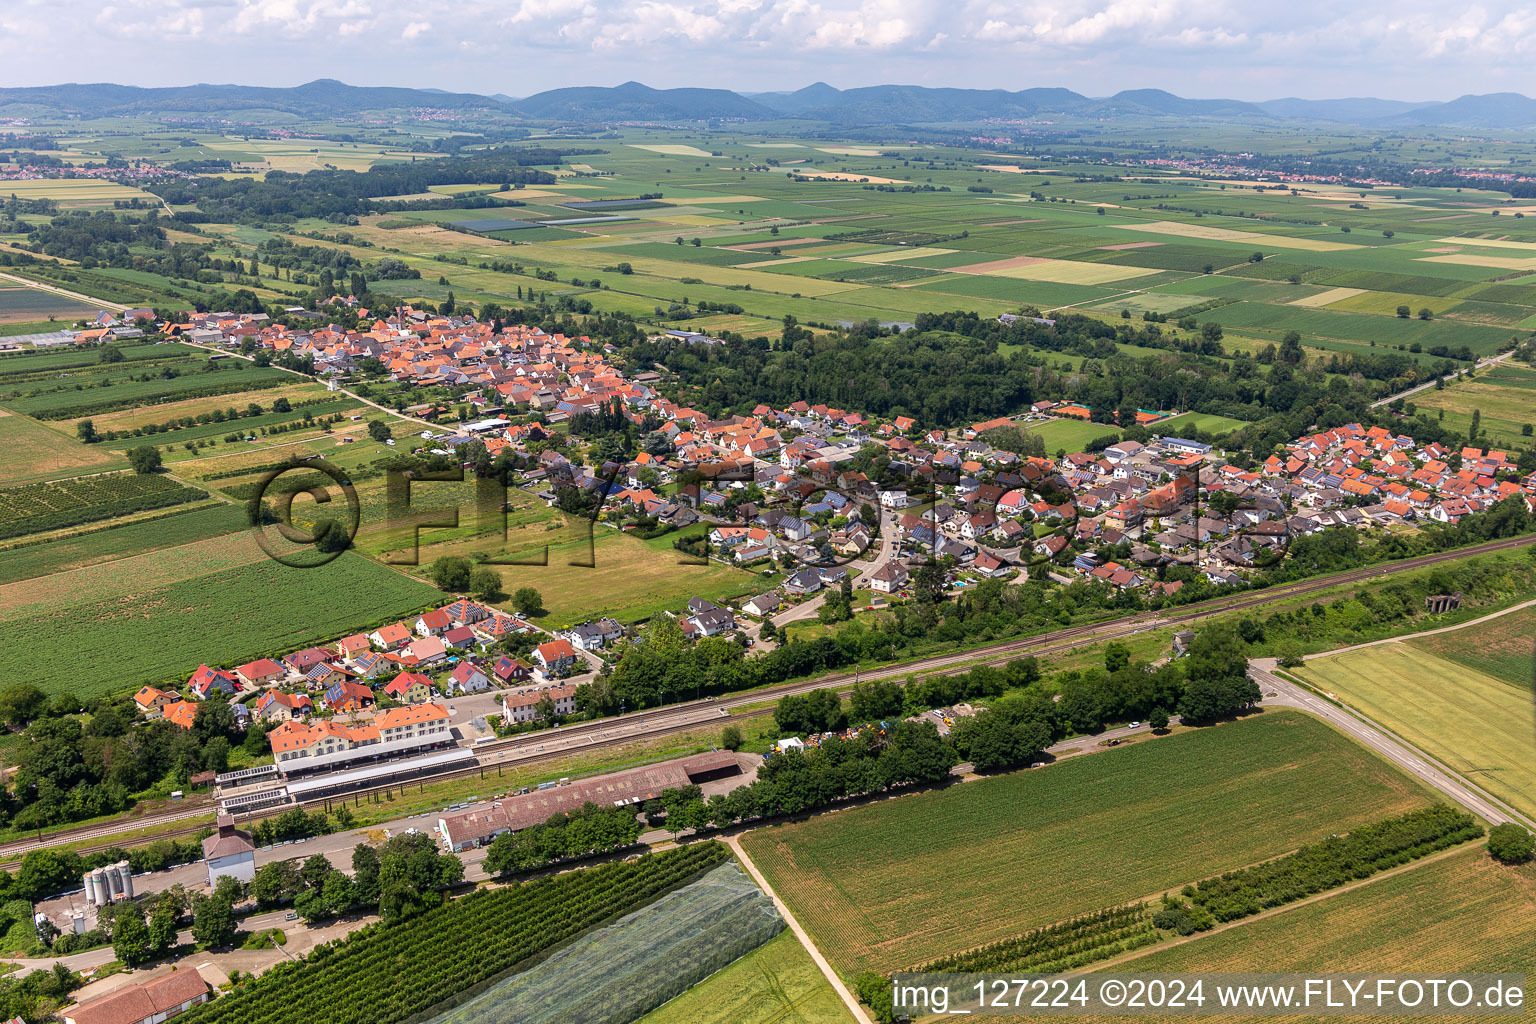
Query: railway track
[675, 718]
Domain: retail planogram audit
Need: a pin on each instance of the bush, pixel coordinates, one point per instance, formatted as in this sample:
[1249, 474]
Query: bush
[1510, 844]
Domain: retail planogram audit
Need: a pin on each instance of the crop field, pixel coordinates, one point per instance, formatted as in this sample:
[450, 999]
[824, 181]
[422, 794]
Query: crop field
[100, 544]
[33, 508]
[222, 617]
[777, 983]
[30, 452]
[1504, 648]
[1478, 724]
[74, 193]
[24, 305]
[1461, 913]
[892, 884]
[102, 389]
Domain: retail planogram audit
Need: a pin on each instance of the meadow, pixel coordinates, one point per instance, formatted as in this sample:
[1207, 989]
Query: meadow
[777, 983]
[30, 451]
[1501, 394]
[892, 884]
[1479, 725]
[155, 632]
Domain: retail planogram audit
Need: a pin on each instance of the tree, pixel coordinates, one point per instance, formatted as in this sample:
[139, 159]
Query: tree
[213, 921]
[130, 935]
[1477, 421]
[528, 601]
[1157, 718]
[730, 738]
[1217, 681]
[144, 459]
[379, 430]
[110, 354]
[450, 572]
[1510, 844]
[85, 430]
[20, 703]
[484, 582]
[1426, 313]
[162, 927]
[1404, 312]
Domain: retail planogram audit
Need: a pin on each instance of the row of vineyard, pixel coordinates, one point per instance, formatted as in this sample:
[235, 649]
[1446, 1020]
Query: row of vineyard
[383, 974]
[34, 508]
[1059, 947]
[1333, 862]
[1312, 869]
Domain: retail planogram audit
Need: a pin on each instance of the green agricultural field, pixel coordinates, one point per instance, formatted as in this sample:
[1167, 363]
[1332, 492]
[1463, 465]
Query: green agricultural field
[1503, 394]
[777, 983]
[892, 884]
[20, 304]
[158, 632]
[35, 508]
[107, 388]
[1479, 725]
[1500, 647]
[1460, 913]
[31, 452]
[97, 545]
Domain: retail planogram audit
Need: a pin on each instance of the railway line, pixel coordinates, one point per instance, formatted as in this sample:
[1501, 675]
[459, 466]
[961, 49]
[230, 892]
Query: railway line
[520, 751]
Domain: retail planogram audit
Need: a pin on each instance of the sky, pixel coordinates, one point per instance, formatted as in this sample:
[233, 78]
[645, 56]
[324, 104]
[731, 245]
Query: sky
[1242, 49]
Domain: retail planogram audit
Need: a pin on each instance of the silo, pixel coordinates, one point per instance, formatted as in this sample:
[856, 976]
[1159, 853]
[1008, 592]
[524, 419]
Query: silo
[113, 883]
[85, 883]
[126, 874]
[102, 887]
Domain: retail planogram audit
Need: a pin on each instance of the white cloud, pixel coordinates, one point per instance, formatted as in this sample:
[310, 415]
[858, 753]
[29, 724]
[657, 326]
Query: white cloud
[1409, 48]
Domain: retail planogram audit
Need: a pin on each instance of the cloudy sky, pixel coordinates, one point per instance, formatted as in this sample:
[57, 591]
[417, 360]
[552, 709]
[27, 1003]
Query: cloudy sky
[1411, 49]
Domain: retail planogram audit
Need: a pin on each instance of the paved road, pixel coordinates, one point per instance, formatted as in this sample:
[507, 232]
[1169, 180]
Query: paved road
[1396, 750]
[888, 550]
[1448, 377]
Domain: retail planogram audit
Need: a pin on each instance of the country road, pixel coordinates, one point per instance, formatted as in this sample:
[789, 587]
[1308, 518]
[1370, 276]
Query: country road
[1393, 748]
[1491, 360]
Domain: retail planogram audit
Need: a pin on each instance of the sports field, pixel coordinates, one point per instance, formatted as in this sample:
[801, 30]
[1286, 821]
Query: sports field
[777, 983]
[1069, 434]
[889, 885]
[1479, 725]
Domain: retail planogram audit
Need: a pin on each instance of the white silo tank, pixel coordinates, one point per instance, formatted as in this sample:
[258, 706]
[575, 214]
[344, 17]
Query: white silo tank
[113, 883]
[126, 872]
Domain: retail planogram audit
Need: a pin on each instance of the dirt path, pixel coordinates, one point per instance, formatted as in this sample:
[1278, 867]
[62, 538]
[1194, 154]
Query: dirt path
[1263, 915]
[1427, 632]
[836, 981]
[103, 303]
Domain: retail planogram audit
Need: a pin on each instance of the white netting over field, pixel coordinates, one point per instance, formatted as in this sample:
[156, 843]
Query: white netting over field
[619, 973]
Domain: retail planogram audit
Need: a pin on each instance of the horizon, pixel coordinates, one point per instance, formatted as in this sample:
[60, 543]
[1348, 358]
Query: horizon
[1193, 48]
[750, 91]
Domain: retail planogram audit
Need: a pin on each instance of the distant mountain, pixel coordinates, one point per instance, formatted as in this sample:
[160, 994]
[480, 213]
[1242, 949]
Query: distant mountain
[316, 99]
[812, 97]
[1494, 110]
[867, 106]
[1157, 101]
[635, 102]
[1358, 110]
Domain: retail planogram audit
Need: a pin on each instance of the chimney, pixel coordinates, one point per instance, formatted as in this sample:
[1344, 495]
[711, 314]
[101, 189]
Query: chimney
[226, 824]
